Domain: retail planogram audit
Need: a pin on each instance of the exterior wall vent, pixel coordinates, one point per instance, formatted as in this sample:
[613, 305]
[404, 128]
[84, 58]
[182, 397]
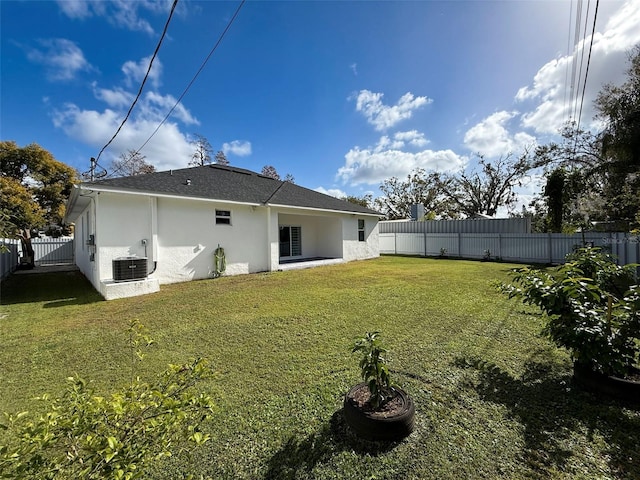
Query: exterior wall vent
[126, 269]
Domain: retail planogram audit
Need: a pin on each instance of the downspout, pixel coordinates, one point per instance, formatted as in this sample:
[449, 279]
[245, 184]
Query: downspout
[96, 254]
[153, 207]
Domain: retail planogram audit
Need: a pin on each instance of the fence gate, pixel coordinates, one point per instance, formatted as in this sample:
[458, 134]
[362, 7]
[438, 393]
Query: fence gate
[53, 251]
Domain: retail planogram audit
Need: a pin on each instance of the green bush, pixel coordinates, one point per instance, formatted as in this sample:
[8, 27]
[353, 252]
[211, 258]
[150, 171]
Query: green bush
[592, 306]
[82, 435]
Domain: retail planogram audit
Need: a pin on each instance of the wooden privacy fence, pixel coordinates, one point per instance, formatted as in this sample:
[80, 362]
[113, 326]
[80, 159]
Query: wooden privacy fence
[510, 247]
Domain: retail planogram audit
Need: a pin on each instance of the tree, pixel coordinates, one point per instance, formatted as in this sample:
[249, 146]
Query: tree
[202, 154]
[365, 201]
[419, 188]
[484, 192]
[35, 188]
[553, 192]
[270, 171]
[605, 165]
[221, 158]
[131, 163]
[619, 108]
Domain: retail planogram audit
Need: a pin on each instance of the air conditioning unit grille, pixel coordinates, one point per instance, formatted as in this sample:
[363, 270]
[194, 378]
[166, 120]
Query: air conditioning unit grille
[129, 268]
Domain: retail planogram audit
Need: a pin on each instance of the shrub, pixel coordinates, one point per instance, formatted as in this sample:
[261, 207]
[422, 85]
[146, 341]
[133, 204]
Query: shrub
[592, 307]
[82, 435]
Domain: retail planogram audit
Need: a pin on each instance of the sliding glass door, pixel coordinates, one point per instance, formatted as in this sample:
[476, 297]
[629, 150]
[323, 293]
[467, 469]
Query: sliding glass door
[290, 241]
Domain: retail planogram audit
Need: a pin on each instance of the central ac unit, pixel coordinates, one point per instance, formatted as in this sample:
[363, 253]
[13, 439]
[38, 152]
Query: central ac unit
[129, 268]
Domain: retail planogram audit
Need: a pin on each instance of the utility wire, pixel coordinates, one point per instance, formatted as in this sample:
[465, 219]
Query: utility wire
[566, 70]
[144, 80]
[222, 35]
[584, 39]
[574, 64]
[586, 73]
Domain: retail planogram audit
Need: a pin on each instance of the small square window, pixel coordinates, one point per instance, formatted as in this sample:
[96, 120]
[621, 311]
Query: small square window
[223, 217]
[361, 230]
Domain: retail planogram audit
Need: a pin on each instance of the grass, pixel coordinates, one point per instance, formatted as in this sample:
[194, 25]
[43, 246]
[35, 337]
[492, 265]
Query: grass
[493, 398]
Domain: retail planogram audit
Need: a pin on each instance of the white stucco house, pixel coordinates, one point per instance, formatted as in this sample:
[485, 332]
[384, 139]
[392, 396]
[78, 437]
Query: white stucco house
[136, 233]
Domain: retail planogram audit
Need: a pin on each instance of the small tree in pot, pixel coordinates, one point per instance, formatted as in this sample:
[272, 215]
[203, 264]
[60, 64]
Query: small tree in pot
[593, 310]
[377, 409]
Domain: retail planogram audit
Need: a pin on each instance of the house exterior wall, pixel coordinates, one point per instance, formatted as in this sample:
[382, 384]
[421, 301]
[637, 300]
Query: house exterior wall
[179, 237]
[85, 226]
[353, 248]
[188, 237]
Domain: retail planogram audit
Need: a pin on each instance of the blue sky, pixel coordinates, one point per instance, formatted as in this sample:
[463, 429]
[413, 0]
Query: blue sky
[341, 95]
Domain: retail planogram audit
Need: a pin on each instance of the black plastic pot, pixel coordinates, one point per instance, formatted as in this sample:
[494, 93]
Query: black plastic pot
[375, 425]
[618, 388]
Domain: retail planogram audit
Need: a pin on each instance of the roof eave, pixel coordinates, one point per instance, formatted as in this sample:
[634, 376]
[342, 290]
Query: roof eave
[326, 210]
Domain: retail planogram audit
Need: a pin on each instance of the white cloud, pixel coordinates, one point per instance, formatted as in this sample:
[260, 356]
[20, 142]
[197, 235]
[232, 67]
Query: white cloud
[62, 58]
[383, 117]
[155, 106]
[75, 8]
[169, 148]
[413, 137]
[334, 192]
[114, 98]
[120, 13]
[374, 164]
[135, 72]
[608, 65]
[237, 147]
[354, 68]
[491, 138]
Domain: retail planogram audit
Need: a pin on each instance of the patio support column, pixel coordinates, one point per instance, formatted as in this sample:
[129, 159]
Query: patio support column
[272, 267]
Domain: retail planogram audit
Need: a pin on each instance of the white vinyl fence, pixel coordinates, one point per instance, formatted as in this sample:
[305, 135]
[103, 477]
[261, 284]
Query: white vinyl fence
[53, 251]
[544, 248]
[47, 251]
[9, 260]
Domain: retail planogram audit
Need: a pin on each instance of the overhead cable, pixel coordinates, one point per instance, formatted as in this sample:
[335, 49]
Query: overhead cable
[144, 80]
[222, 35]
[584, 41]
[586, 73]
[566, 70]
[574, 64]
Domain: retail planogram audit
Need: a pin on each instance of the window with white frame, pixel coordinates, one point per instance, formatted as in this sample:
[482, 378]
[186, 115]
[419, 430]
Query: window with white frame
[361, 236]
[223, 217]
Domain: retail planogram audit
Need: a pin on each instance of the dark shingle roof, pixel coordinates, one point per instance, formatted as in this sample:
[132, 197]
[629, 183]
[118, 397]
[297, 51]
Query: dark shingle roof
[231, 184]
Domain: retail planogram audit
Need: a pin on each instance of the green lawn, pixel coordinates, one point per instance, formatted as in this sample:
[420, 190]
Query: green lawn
[493, 398]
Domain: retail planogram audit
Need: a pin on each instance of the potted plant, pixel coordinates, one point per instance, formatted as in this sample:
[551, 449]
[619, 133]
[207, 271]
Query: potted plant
[376, 409]
[593, 310]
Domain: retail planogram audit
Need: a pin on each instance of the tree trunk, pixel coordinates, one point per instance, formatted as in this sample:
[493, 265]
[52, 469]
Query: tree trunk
[28, 260]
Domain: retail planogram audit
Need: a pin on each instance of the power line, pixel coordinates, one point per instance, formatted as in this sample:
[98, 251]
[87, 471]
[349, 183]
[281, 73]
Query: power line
[144, 80]
[586, 73]
[566, 70]
[584, 38]
[573, 96]
[222, 35]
